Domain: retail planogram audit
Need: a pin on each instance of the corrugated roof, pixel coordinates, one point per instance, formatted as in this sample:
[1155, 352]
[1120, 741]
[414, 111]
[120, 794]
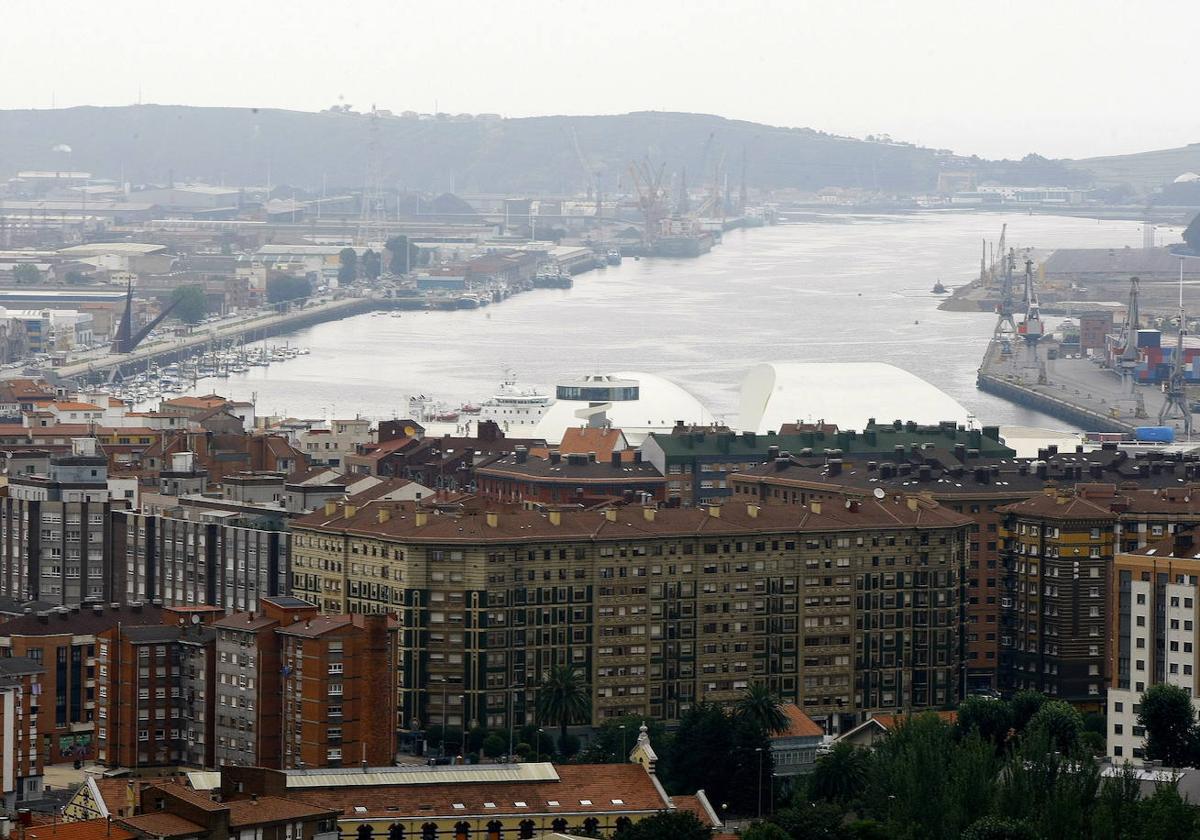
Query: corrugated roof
[423, 775]
[204, 779]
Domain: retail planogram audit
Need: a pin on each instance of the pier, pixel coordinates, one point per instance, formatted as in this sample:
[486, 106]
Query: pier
[1077, 391]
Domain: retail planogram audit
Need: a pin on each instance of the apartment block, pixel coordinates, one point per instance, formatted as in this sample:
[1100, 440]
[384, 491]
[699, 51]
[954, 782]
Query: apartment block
[21, 756]
[63, 641]
[339, 690]
[54, 529]
[1153, 611]
[842, 609]
[146, 716]
[1058, 547]
[248, 682]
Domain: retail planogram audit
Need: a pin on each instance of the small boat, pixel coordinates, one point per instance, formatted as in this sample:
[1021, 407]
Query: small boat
[938, 288]
[470, 408]
[446, 417]
[613, 257]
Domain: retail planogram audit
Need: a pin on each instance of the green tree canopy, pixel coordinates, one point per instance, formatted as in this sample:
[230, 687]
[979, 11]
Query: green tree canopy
[1191, 235]
[1061, 722]
[372, 265]
[347, 266]
[995, 828]
[192, 306]
[26, 274]
[563, 698]
[761, 706]
[668, 825]
[840, 775]
[765, 831]
[403, 255]
[288, 287]
[1169, 718]
[1025, 704]
[990, 718]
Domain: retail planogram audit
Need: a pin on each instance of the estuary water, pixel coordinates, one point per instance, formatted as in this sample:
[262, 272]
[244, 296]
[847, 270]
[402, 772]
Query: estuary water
[836, 288]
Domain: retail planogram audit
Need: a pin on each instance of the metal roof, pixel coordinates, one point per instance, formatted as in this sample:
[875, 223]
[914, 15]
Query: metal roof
[204, 779]
[422, 775]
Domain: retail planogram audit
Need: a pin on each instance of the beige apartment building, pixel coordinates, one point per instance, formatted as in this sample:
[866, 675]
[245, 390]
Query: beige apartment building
[843, 609]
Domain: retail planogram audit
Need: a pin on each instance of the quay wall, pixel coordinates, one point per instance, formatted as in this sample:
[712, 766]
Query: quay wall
[1063, 410]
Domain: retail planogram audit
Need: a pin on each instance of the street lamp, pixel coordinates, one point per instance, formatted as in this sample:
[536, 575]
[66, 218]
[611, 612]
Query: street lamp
[624, 754]
[512, 692]
[759, 750]
[539, 744]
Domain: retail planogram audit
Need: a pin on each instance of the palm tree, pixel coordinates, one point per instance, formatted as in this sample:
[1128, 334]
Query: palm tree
[840, 775]
[563, 698]
[760, 705]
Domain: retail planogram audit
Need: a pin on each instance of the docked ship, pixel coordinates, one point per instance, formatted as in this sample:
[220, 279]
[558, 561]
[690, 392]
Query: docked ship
[552, 279]
[514, 407]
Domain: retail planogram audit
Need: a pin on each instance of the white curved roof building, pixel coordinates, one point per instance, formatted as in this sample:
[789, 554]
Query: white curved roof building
[1187, 178]
[845, 393]
[636, 402]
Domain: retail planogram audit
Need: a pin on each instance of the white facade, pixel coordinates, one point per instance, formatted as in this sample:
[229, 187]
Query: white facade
[1125, 738]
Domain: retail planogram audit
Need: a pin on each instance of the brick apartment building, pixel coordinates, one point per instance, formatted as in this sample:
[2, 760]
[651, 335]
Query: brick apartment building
[21, 755]
[577, 479]
[63, 640]
[840, 609]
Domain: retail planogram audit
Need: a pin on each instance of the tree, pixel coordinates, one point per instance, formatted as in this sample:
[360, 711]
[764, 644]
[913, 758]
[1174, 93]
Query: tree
[191, 306]
[668, 825]
[748, 768]
[1024, 705]
[990, 718]
[1061, 722]
[371, 265]
[995, 828]
[840, 775]
[402, 254]
[288, 287]
[1167, 814]
[1116, 810]
[765, 831]
[811, 821]
[347, 266]
[563, 698]
[760, 705]
[77, 278]
[1168, 716]
[26, 274]
[1191, 235]
[494, 745]
[699, 754]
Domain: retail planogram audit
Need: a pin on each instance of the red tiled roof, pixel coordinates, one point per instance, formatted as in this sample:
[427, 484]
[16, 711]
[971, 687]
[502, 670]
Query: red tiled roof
[76, 406]
[596, 784]
[98, 829]
[270, 809]
[119, 795]
[162, 824]
[800, 725]
[692, 803]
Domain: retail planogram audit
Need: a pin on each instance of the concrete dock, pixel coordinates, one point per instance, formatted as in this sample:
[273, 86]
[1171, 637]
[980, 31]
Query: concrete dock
[1077, 391]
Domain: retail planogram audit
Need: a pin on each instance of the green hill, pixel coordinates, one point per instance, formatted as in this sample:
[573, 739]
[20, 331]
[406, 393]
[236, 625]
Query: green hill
[1143, 170]
[151, 143]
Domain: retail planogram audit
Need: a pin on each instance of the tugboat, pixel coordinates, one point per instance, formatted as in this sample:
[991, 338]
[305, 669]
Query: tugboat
[939, 289]
[613, 257]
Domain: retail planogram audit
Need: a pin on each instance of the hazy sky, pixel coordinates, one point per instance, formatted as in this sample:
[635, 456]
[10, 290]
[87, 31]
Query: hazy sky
[1066, 79]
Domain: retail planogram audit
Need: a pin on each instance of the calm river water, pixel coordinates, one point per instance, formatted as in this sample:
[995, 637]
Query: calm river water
[840, 288]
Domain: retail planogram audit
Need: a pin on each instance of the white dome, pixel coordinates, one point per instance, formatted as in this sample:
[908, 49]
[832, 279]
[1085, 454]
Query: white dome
[660, 403]
[845, 393]
[1187, 178]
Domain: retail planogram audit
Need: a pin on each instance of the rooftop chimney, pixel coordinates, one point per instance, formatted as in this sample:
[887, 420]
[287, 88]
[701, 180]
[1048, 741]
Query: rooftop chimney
[555, 517]
[649, 513]
[815, 507]
[555, 456]
[615, 458]
[493, 519]
[522, 454]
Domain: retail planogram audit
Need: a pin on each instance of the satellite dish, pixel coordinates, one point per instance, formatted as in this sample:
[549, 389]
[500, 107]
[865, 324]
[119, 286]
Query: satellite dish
[195, 619]
[880, 493]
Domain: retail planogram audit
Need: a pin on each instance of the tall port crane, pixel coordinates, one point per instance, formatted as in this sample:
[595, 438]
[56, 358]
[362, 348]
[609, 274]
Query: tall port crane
[651, 196]
[1128, 336]
[1176, 402]
[1006, 327]
[1031, 327]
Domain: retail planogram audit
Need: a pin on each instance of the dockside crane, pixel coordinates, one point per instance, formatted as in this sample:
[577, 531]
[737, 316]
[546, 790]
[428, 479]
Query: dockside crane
[1006, 327]
[651, 196]
[1031, 328]
[1176, 403]
[1128, 336]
